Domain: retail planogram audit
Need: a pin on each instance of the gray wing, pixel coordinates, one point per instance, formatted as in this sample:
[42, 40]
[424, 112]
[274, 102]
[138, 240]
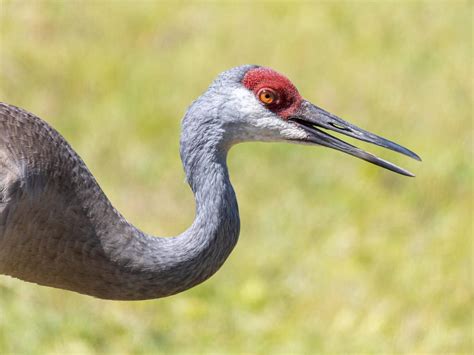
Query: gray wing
[46, 233]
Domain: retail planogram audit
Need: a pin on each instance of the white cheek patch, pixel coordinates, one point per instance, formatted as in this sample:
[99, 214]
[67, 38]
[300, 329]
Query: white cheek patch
[294, 132]
[247, 103]
[260, 124]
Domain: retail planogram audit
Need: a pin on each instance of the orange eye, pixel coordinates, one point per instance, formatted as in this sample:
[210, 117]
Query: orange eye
[267, 96]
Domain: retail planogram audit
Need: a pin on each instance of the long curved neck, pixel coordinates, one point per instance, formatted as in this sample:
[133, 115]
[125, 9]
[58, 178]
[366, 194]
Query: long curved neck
[162, 266]
[200, 251]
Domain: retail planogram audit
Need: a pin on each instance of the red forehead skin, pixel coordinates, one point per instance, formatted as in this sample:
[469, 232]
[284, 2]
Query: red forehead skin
[289, 99]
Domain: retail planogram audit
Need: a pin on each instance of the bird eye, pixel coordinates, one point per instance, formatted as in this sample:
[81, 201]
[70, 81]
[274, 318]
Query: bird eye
[267, 96]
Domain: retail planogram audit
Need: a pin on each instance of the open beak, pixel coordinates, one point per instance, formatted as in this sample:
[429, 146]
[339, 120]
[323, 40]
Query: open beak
[311, 118]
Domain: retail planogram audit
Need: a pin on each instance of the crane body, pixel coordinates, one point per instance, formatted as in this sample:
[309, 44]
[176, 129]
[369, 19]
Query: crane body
[58, 229]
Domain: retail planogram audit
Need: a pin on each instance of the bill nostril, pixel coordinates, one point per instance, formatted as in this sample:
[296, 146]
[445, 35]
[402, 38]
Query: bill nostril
[339, 126]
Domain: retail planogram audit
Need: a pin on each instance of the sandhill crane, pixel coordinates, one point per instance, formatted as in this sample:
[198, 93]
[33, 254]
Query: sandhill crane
[57, 227]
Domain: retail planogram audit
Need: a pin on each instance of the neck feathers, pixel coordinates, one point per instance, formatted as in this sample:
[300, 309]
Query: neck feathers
[181, 262]
[165, 266]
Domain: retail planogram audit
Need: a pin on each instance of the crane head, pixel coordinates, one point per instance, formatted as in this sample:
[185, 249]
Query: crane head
[253, 103]
[298, 121]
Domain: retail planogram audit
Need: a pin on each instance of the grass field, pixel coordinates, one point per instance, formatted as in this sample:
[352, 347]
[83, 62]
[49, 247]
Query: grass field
[335, 255]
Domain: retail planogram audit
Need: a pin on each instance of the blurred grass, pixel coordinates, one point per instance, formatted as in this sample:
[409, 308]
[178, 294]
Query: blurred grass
[335, 254]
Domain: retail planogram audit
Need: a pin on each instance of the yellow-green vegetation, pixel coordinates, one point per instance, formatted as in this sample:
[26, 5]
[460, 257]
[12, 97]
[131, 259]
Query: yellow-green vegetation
[335, 254]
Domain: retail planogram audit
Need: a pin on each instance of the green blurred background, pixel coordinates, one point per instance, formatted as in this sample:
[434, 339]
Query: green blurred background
[335, 254]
